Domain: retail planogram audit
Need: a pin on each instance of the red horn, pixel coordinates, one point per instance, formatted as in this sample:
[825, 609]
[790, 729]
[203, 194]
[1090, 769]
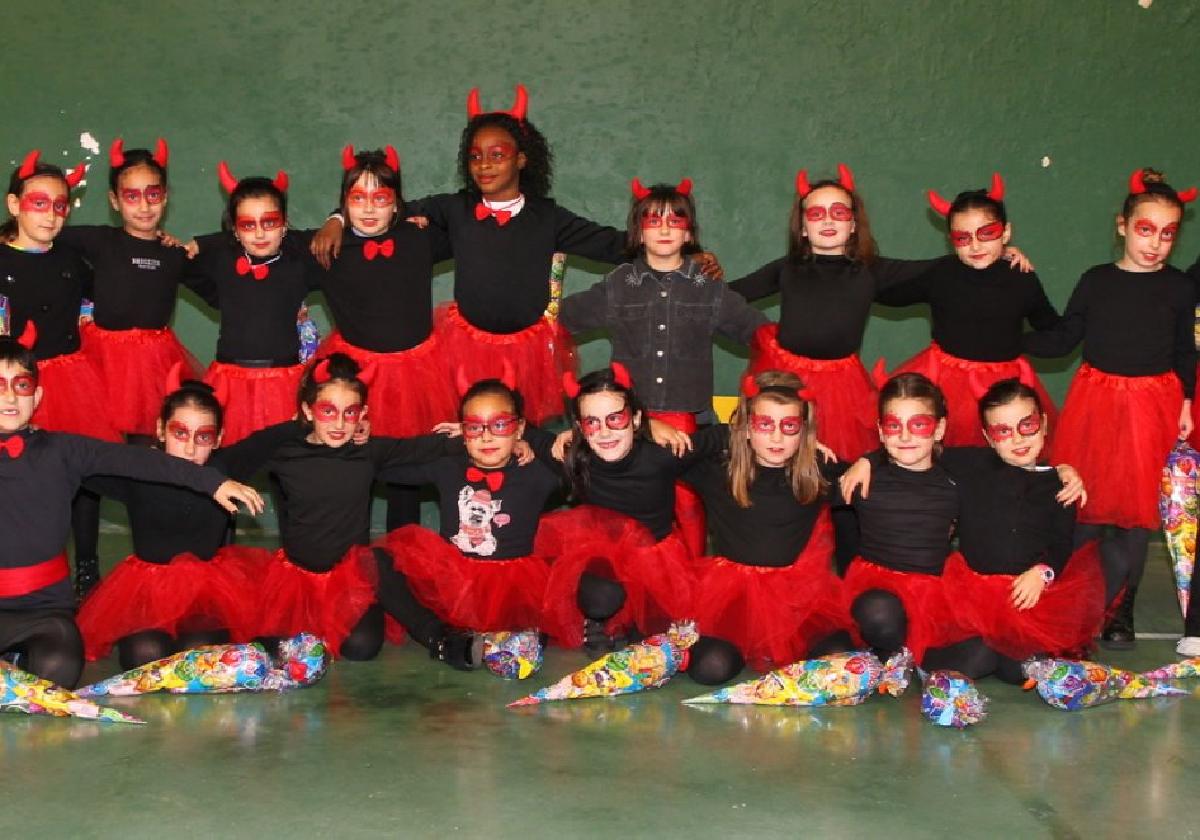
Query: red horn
[220, 385]
[996, 193]
[845, 177]
[28, 335]
[621, 376]
[508, 376]
[366, 374]
[639, 192]
[391, 158]
[281, 181]
[29, 164]
[228, 182]
[750, 387]
[802, 187]
[520, 104]
[570, 385]
[161, 153]
[473, 109]
[806, 395]
[1137, 186]
[978, 386]
[879, 373]
[174, 377]
[348, 160]
[116, 153]
[461, 383]
[1025, 373]
[76, 175]
[940, 205]
[1188, 196]
[684, 187]
[320, 372]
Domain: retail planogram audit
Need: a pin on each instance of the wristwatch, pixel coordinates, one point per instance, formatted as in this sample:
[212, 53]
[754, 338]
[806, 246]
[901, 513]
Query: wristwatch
[1046, 572]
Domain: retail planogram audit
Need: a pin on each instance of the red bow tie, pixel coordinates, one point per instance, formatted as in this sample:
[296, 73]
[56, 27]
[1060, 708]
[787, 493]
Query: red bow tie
[15, 445]
[373, 249]
[494, 478]
[482, 211]
[244, 266]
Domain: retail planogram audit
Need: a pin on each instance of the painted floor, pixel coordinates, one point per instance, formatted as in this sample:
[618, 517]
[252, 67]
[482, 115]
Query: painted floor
[405, 747]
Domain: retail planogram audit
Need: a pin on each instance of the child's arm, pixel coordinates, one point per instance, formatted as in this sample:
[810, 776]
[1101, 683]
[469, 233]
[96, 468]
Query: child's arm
[243, 459]
[761, 283]
[1040, 312]
[736, 319]
[197, 271]
[586, 310]
[583, 238]
[1062, 338]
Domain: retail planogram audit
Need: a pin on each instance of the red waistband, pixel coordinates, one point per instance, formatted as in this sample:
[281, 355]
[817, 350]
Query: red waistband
[684, 421]
[26, 579]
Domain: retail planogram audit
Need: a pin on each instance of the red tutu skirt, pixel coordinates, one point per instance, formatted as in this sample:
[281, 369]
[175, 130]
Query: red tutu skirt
[327, 604]
[1065, 620]
[1117, 432]
[690, 517]
[931, 619]
[74, 399]
[539, 356]
[845, 396]
[187, 594]
[953, 376]
[773, 614]
[133, 365]
[658, 577]
[410, 392]
[258, 397]
[476, 594]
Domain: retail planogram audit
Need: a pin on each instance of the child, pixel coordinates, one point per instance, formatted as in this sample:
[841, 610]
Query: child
[979, 307]
[256, 275]
[129, 338]
[40, 472]
[661, 313]
[770, 588]
[1130, 399]
[182, 587]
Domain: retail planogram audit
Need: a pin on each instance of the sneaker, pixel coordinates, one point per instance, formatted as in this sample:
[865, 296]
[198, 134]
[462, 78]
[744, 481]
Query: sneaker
[1188, 646]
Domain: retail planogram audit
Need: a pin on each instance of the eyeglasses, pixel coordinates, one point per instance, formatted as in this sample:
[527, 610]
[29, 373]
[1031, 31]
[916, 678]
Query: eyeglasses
[617, 421]
[764, 425]
[359, 198]
[495, 154]
[267, 221]
[500, 425]
[986, 233]
[1027, 426]
[1145, 227]
[21, 385]
[919, 425]
[40, 202]
[203, 436]
[673, 220]
[326, 412]
[153, 195]
[837, 211]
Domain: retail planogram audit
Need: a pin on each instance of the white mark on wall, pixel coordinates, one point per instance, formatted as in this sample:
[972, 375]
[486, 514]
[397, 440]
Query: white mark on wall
[1145, 4]
[89, 143]
[1046, 161]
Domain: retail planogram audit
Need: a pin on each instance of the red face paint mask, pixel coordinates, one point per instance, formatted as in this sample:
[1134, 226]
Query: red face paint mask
[617, 421]
[919, 425]
[653, 221]
[764, 425]
[986, 233]
[153, 195]
[495, 154]
[21, 385]
[1027, 426]
[268, 222]
[40, 202]
[837, 211]
[382, 197]
[205, 436]
[500, 425]
[1147, 228]
[326, 412]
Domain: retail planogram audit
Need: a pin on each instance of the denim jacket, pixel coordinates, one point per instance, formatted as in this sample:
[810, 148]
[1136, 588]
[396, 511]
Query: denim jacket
[661, 328]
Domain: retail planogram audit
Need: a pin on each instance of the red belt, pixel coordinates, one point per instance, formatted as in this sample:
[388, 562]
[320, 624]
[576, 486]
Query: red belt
[684, 421]
[26, 579]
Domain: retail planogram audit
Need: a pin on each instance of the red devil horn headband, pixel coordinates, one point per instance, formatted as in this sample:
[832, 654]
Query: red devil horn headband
[940, 205]
[161, 153]
[570, 385]
[517, 111]
[116, 153]
[321, 373]
[750, 387]
[1137, 186]
[1025, 373]
[348, 160]
[845, 177]
[76, 175]
[228, 182]
[684, 187]
[845, 180]
[620, 375]
[802, 185]
[391, 158]
[29, 164]
[28, 336]
[639, 192]
[996, 192]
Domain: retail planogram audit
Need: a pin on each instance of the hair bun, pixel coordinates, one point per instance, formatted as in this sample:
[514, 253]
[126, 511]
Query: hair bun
[1152, 176]
[197, 385]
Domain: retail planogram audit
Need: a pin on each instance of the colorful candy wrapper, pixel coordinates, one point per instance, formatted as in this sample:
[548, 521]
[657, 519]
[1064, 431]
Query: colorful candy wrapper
[558, 267]
[841, 679]
[951, 699]
[513, 656]
[21, 691]
[87, 311]
[647, 664]
[1078, 684]
[310, 336]
[221, 669]
[1183, 670]
[1180, 510]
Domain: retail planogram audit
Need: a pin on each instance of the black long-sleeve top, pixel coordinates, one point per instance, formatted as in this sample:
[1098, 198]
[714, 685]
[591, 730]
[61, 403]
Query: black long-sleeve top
[47, 287]
[326, 491]
[167, 521]
[502, 272]
[775, 528]
[1008, 519]
[385, 304]
[258, 317]
[1130, 323]
[509, 514]
[977, 314]
[136, 280]
[36, 490]
[905, 522]
[824, 302]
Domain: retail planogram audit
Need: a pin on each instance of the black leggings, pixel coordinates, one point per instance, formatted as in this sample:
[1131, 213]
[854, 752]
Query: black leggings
[48, 641]
[1122, 554]
[881, 620]
[403, 505]
[137, 649]
[397, 599]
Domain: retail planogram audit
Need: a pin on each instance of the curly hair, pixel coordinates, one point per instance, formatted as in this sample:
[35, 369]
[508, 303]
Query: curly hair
[539, 161]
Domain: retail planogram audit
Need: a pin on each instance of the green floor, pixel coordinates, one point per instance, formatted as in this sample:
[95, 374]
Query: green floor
[404, 747]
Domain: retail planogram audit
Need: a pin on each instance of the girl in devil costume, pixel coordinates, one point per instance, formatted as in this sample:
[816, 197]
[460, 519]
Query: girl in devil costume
[979, 308]
[1130, 399]
[256, 274]
[181, 588]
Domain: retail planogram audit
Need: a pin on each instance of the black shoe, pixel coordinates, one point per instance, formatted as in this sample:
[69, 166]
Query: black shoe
[596, 641]
[457, 649]
[87, 575]
[1119, 632]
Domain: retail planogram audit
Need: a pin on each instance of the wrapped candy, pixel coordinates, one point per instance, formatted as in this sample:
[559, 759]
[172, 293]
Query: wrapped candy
[647, 664]
[221, 669]
[513, 656]
[951, 699]
[21, 691]
[1180, 510]
[309, 334]
[1078, 684]
[558, 267]
[841, 679]
[1183, 670]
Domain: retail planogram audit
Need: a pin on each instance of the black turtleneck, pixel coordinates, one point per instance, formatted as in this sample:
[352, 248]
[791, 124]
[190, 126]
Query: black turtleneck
[48, 288]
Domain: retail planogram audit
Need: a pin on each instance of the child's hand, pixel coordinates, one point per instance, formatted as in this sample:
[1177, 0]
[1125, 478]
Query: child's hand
[664, 434]
[232, 492]
[710, 265]
[327, 242]
[448, 429]
[362, 432]
[524, 453]
[169, 240]
[1186, 426]
[828, 454]
[858, 477]
[420, 221]
[1073, 489]
[1017, 259]
[1027, 588]
[561, 444]
[192, 248]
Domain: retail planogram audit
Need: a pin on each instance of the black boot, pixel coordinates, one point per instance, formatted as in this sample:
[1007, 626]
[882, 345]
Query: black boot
[87, 575]
[459, 649]
[596, 641]
[1119, 632]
